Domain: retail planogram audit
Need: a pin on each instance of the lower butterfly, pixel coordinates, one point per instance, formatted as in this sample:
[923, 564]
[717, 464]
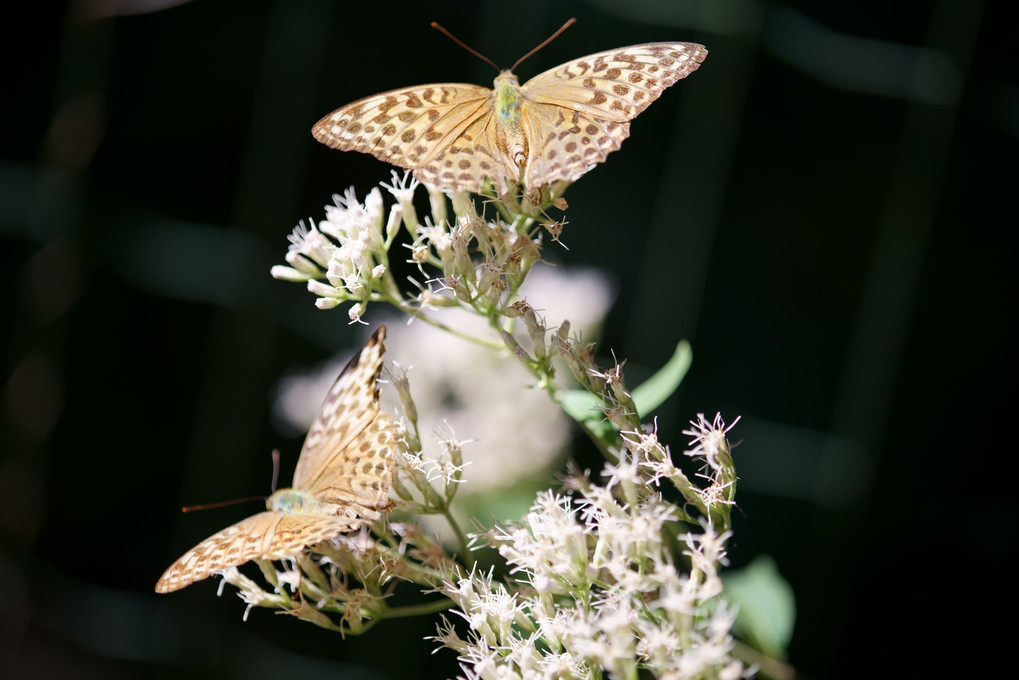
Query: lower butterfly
[341, 482]
[555, 127]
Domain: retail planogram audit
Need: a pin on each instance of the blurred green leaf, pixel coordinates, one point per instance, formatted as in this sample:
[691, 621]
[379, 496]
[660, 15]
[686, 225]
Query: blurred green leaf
[662, 384]
[586, 408]
[767, 606]
[504, 505]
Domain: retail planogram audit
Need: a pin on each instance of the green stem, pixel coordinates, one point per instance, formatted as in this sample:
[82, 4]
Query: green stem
[418, 609]
[768, 667]
[461, 537]
[416, 313]
[543, 376]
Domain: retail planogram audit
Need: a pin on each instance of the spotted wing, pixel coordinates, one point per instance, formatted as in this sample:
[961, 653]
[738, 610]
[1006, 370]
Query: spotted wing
[442, 132]
[349, 433]
[360, 476]
[579, 112]
[267, 535]
[477, 153]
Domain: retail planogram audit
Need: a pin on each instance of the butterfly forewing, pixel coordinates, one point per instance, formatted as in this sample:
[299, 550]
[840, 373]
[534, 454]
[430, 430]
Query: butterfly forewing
[579, 112]
[352, 403]
[571, 118]
[615, 85]
[267, 536]
[407, 127]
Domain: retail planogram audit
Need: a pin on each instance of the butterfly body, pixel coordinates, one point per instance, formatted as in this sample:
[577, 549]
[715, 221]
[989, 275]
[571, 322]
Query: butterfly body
[507, 106]
[294, 502]
[555, 127]
[507, 99]
[341, 482]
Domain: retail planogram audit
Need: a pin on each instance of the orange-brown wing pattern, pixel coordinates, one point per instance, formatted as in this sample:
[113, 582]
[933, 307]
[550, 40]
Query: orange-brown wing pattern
[267, 535]
[579, 112]
[352, 403]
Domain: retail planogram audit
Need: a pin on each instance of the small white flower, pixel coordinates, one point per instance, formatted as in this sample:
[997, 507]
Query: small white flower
[289, 577]
[709, 439]
[624, 471]
[707, 548]
[447, 637]
[397, 214]
[679, 596]
[644, 443]
[281, 273]
[326, 303]
[717, 494]
[402, 188]
[657, 644]
[355, 313]
[309, 250]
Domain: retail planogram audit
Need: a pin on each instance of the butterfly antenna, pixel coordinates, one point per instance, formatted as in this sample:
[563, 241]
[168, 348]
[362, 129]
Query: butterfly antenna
[275, 468]
[438, 27]
[547, 41]
[221, 504]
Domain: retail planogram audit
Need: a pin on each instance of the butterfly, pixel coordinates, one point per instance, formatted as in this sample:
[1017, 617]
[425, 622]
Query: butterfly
[555, 127]
[341, 482]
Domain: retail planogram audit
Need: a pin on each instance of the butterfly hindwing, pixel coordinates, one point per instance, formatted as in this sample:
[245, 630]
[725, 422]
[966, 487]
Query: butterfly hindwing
[563, 144]
[360, 476]
[470, 154]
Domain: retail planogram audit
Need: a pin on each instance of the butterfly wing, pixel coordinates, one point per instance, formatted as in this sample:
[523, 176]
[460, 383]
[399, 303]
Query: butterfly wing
[360, 476]
[348, 452]
[442, 132]
[564, 144]
[579, 112]
[475, 152]
[267, 535]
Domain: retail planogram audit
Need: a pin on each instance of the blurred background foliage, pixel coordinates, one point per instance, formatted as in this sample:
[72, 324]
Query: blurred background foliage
[822, 210]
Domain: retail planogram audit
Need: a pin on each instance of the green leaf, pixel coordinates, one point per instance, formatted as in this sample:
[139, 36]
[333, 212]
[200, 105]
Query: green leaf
[504, 505]
[586, 409]
[767, 606]
[662, 384]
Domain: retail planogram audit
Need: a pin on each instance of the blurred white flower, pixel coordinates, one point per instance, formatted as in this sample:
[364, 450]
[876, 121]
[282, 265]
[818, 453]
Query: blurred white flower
[508, 444]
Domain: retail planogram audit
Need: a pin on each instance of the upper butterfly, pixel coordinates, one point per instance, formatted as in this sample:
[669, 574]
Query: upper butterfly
[341, 482]
[556, 126]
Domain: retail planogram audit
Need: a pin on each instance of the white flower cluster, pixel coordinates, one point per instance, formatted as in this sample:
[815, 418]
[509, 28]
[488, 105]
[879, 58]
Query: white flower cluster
[605, 579]
[346, 256]
[519, 443]
[595, 587]
[347, 249]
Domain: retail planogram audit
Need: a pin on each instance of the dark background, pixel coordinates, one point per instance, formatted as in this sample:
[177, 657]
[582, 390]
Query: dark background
[826, 209]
